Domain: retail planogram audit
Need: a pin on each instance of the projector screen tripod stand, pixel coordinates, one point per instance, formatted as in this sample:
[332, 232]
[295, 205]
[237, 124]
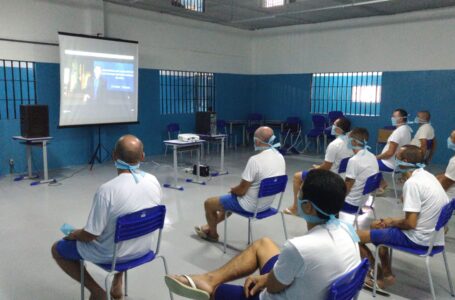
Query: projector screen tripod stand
[98, 153]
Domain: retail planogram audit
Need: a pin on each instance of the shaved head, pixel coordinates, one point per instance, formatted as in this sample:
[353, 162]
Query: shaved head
[424, 115]
[264, 133]
[129, 149]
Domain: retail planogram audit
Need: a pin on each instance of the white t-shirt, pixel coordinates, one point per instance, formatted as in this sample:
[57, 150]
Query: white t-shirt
[450, 173]
[336, 151]
[361, 166]
[423, 193]
[310, 263]
[400, 136]
[118, 197]
[425, 131]
[268, 163]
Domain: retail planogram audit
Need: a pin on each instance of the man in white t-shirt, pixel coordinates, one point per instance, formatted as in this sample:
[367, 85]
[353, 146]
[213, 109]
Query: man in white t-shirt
[447, 179]
[400, 136]
[424, 134]
[423, 199]
[303, 269]
[132, 190]
[336, 151]
[244, 197]
[360, 167]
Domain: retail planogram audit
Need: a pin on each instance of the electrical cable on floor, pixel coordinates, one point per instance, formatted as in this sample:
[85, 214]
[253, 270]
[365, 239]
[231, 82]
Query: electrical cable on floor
[57, 182]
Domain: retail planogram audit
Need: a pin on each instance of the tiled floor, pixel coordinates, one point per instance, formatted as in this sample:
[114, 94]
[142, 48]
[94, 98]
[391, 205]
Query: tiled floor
[30, 218]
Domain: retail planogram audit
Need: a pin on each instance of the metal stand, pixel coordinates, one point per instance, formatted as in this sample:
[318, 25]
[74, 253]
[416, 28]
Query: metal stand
[97, 154]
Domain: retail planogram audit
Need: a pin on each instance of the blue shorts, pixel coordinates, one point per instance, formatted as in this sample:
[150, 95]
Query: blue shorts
[68, 250]
[305, 174]
[350, 209]
[230, 291]
[393, 237]
[383, 167]
[230, 202]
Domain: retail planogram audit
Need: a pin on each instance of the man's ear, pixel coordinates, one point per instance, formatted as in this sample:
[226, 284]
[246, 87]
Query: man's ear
[143, 156]
[309, 209]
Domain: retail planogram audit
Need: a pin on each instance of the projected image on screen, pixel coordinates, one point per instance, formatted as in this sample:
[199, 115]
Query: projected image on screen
[98, 81]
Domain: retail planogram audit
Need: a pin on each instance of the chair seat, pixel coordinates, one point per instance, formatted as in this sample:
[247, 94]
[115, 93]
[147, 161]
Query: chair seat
[260, 215]
[124, 266]
[315, 133]
[420, 252]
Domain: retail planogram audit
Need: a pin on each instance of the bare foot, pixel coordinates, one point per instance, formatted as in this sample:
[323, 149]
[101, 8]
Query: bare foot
[202, 282]
[205, 228]
[290, 211]
[117, 288]
[386, 281]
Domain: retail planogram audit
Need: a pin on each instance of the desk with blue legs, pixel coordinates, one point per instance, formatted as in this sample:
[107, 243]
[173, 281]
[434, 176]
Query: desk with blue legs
[177, 144]
[29, 142]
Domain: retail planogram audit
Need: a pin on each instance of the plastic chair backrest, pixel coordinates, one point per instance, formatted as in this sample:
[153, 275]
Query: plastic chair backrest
[445, 215]
[343, 165]
[293, 121]
[349, 285]
[173, 127]
[318, 122]
[334, 115]
[293, 124]
[139, 223]
[372, 184]
[383, 135]
[221, 126]
[272, 186]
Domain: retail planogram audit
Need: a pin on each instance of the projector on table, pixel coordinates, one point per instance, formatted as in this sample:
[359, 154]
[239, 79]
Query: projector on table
[188, 137]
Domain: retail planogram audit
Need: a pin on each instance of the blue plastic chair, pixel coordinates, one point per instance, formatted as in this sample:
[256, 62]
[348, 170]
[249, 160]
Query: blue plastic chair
[343, 165]
[316, 132]
[428, 151]
[292, 132]
[444, 217]
[348, 286]
[269, 187]
[333, 116]
[129, 227]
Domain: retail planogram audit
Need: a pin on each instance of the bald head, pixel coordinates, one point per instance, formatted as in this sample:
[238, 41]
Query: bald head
[129, 149]
[424, 115]
[263, 133]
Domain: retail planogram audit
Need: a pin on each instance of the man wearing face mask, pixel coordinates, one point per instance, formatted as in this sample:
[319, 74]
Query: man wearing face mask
[303, 269]
[336, 151]
[447, 179]
[244, 197]
[423, 199]
[401, 136]
[132, 190]
[424, 133]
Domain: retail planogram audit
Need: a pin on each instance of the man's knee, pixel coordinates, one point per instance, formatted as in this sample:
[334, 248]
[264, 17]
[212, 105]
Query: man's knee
[54, 251]
[212, 203]
[264, 243]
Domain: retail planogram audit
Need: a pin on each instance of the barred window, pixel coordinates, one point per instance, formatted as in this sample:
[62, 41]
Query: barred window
[184, 92]
[356, 93]
[17, 86]
[194, 5]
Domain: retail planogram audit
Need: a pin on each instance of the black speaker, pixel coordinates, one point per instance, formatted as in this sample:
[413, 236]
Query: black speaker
[34, 121]
[206, 122]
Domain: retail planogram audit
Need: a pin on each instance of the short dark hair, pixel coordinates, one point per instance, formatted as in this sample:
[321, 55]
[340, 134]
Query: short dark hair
[326, 190]
[344, 124]
[403, 114]
[412, 154]
[426, 113]
[360, 134]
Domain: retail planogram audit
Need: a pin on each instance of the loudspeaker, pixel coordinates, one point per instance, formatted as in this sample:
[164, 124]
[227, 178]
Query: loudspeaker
[206, 123]
[34, 121]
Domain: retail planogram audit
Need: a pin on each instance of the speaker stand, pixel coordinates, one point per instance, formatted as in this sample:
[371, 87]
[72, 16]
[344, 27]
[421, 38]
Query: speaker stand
[98, 153]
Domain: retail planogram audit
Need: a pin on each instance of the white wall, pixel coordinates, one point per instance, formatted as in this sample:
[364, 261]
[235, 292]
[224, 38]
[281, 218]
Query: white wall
[414, 41]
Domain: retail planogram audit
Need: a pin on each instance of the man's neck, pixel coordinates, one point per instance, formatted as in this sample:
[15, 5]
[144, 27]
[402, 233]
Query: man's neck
[122, 171]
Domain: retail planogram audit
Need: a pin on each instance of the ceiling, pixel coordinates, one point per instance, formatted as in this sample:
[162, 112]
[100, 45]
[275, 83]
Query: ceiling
[250, 15]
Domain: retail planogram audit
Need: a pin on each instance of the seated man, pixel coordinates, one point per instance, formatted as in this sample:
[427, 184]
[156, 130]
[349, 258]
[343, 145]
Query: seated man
[360, 167]
[401, 136]
[306, 266]
[130, 191]
[447, 179]
[424, 134]
[423, 199]
[244, 197]
[336, 151]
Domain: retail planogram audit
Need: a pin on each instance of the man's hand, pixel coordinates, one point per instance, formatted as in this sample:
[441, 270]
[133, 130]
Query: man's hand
[254, 284]
[70, 237]
[378, 224]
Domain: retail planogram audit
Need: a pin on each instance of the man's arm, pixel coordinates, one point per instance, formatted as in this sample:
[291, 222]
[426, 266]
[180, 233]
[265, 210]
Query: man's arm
[390, 152]
[81, 235]
[445, 181]
[241, 189]
[256, 283]
[324, 166]
[408, 223]
[349, 184]
[423, 146]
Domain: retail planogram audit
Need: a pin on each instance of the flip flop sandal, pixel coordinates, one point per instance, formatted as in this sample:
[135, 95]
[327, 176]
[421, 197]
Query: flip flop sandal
[287, 211]
[368, 285]
[204, 235]
[187, 291]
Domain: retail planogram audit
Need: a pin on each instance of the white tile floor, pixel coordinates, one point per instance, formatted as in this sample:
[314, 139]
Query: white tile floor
[30, 218]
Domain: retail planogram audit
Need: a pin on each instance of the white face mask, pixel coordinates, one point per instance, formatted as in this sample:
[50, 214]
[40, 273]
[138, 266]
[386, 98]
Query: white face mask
[269, 143]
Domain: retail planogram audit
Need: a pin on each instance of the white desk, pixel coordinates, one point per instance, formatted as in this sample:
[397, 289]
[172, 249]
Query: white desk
[242, 123]
[177, 144]
[29, 142]
[221, 138]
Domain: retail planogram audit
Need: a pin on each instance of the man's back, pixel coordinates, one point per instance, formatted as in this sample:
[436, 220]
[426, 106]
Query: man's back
[118, 197]
[425, 131]
[401, 136]
[310, 263]
[360, 167]
[268, 163]
[336, 151]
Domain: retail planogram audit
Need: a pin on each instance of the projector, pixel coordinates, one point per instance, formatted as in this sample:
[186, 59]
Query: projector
[188, 137]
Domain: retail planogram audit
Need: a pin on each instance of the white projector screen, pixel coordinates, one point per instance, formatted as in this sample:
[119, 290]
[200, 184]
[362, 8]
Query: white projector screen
[98, 80]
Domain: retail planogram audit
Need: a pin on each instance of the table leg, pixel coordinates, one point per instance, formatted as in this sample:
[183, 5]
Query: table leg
[198, 168]
[222, 170]
[29, 160]
[46, 175]
[175, 162]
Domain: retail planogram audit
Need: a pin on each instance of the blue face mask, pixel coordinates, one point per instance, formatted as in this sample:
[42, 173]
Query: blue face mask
[409, 166]
[351, 147]
[394, 121]
[450, 144]
[334, 132]
[417, 120]
[269, 143]
[134, 169]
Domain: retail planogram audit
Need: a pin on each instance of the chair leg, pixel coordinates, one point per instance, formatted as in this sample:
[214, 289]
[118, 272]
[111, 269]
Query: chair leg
[82, 264]
[317, 145]
[449, 276]
[249, 231]
[284, 227]
[107, 283]
[225, 230]
[126, 283]
[375, 274]
[166, 271]
[394, 185]
[430, 279]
